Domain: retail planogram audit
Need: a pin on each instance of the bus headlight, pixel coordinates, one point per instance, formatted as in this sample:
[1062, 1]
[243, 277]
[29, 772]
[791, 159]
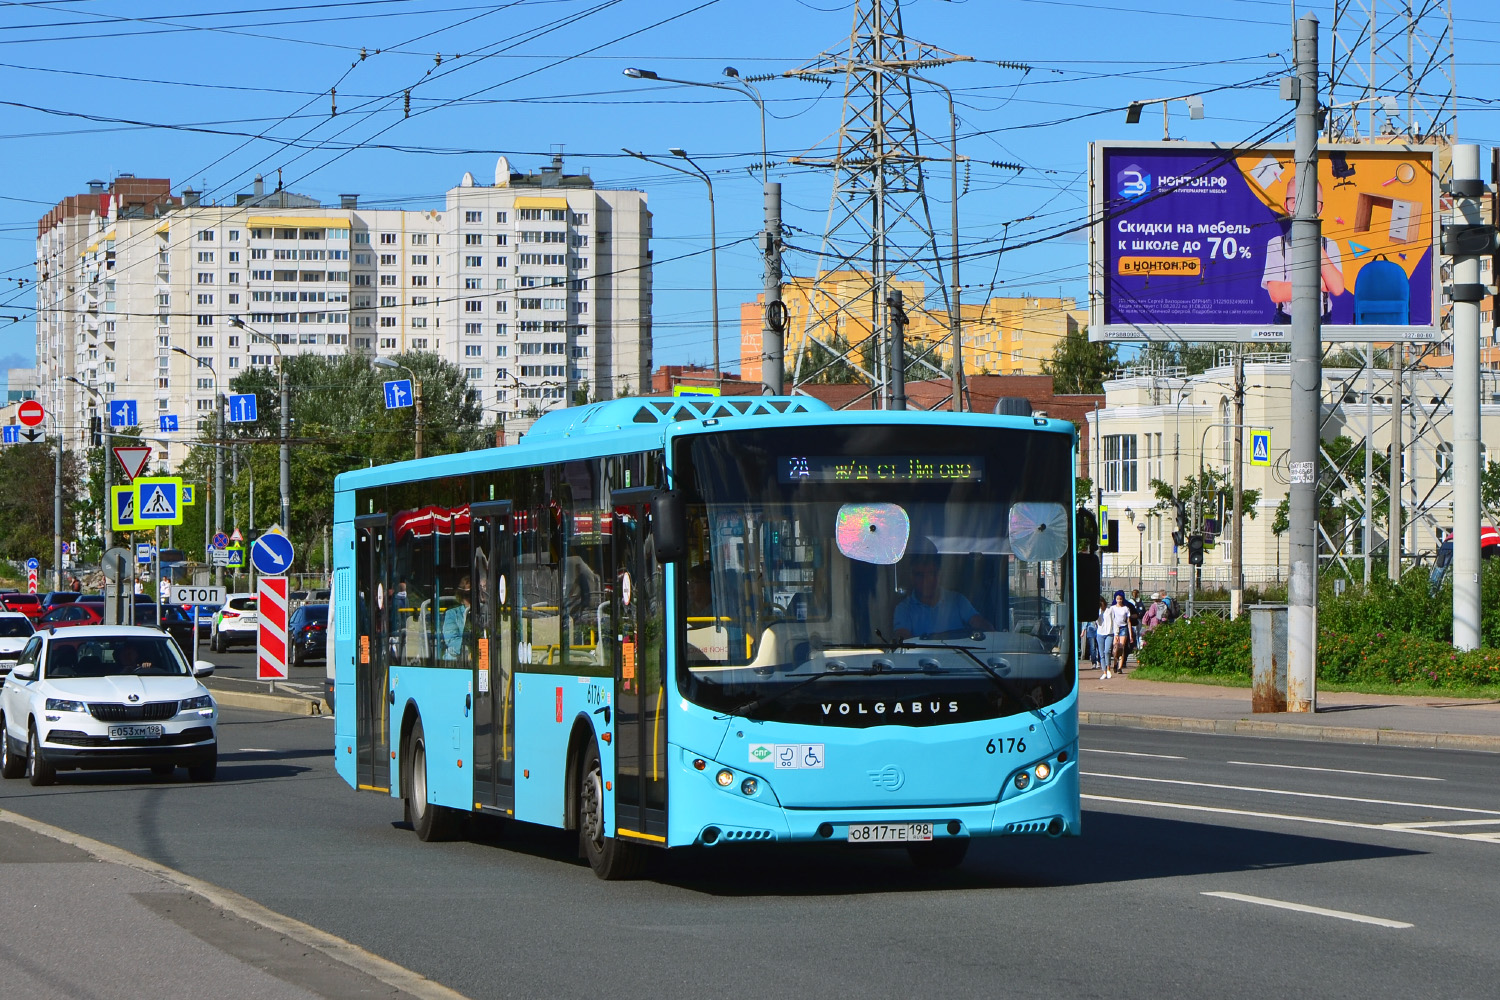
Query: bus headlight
[725, 778]
[1043, 771]
[1022, 780]
[749, 786]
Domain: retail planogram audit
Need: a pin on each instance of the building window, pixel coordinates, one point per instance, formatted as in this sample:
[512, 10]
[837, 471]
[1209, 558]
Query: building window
[419, 240]
[474, 374]
[205, 341]
[385, 279]
[419, 343]
[473, 306]
[501, 218]
[473, 282]
[1119, 463]
[473, 261]
[529, 214]
[205, 256]
[387, 343]
[502, 261]
[418, 258]
[473, 239]
[205, 236]
[205, 321]
[388, 237]
[500, 351]
[205, 278]
[473, 216]
[234, 236]
[419, 280]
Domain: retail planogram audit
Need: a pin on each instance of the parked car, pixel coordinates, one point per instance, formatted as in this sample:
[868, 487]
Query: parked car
[57, 598]
[236, 624]
[307, 633]
[106, 696]
[319, 596]
[206, 613]
[173, 622]
[71, 615]
[29, 605]
[15, 629]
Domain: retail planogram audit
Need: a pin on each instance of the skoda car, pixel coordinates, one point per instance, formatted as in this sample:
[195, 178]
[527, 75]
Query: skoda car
[106, 696]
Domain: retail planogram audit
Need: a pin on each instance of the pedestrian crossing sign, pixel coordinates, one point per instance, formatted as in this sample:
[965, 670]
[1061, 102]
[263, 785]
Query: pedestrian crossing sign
[1260, 447]
[158, 501]
[122, 508]
[189, 495]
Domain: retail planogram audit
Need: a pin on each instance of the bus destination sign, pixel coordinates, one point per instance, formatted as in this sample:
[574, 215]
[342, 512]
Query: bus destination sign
[880, 468]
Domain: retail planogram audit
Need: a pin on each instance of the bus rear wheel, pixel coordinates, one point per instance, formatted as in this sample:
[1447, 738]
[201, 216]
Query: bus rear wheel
[937, 855]
[610, 858]
[432, 822]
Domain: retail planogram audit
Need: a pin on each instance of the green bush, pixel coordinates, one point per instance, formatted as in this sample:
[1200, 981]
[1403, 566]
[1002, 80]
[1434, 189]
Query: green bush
[1204, 646]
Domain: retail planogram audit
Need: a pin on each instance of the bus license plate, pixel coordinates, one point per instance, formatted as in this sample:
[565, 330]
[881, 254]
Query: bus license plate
[889, 833]
[135, 732]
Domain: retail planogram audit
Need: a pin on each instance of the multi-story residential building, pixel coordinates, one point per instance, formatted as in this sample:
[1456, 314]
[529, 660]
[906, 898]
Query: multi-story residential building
[1010, 335]
[1163, 425]
[537, 286]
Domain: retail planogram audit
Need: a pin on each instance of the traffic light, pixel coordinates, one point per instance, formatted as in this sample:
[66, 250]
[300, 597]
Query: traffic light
[96, 432]
[1195, 550]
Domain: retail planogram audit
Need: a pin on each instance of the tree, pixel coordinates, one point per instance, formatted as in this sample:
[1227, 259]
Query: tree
[1209, 485]
[1079, 367]
[821, 366]
[27, 472]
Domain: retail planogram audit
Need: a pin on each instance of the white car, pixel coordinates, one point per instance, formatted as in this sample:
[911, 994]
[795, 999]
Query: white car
[106, 696]
[236, 624]
[15, 630]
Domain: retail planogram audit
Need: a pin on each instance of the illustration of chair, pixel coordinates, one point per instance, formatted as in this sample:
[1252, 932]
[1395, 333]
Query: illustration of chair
[1342, 169]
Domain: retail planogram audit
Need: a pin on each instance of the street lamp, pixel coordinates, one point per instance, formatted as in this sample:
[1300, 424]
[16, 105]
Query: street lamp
[286, 452]
[713, 238]
[1193, 101]
[218, 455]
[1141, 529]
[416, 384]
[772, 335]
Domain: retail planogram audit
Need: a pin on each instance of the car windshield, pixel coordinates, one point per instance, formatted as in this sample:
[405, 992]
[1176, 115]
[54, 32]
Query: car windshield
[15, 628]
[893, 564]
[112, 656]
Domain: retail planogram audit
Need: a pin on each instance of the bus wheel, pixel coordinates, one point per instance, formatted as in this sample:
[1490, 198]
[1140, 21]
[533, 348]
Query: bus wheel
[935, 855]
[610, 858]
[431, 822]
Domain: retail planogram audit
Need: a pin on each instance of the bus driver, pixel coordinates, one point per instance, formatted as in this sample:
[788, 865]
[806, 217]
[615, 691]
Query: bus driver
[929, 609]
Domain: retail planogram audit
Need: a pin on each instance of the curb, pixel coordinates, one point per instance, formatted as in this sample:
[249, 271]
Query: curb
[280, 703]
[1293, 731]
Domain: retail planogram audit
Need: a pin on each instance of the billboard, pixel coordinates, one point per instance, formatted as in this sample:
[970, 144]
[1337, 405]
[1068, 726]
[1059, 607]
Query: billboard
[1193, 242]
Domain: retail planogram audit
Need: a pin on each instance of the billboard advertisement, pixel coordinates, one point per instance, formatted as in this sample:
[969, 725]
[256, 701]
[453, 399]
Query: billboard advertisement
[1193, 242]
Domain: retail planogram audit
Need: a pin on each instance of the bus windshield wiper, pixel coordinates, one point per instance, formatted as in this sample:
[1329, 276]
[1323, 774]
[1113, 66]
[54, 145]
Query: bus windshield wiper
[768, 699]
[1005, 684]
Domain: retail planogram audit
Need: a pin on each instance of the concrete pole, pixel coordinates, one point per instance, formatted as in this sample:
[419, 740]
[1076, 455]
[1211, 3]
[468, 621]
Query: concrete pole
[57, 513]
[897, 314]
[109, 482]
[1393, 532]
[1307, 384]
[1368, 534]
[1467, 293]
[286, 456]
[218, 477]
[417, 402]
[1237, 553]
[772, 342]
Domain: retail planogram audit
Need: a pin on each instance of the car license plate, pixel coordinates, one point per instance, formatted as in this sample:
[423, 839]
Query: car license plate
[135, 732]
[889, 833]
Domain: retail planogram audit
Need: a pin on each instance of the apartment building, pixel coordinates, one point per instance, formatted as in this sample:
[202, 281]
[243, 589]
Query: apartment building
[538, 286]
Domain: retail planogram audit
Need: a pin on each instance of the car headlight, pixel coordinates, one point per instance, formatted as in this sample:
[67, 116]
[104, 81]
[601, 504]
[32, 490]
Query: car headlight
[189, 704]
[63, 705]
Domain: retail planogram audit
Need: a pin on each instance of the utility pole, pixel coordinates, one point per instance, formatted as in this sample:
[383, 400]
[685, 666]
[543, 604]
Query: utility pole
[1237, 566]
[417, 402]
[218, 478]
[1307, 381]
[57, 513]
[286, 457]
[1368, 534]
[773, 315]
[1393, 532]
[1470, 235]
[897, 314]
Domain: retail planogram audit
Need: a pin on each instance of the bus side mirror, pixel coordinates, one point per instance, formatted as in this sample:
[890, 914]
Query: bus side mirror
[668, 527]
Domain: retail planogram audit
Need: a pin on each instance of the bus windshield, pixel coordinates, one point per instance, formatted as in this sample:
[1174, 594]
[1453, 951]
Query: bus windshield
[875, 575]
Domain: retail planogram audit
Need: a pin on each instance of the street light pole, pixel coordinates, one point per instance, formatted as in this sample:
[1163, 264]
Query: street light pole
[107, 522]
[416, 395]
[286, 452]
[713, 239]
[218, 456]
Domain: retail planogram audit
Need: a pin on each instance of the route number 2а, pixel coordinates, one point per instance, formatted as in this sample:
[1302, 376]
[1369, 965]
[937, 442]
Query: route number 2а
[1006, 744]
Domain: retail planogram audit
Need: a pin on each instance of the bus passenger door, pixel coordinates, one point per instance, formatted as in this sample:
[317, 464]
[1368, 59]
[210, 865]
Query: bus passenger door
[494, 655]
[371, 656]
[640, 687]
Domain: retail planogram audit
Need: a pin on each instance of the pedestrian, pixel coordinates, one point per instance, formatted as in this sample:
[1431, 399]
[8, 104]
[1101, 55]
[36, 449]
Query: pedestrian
[1116, 625]
[1156, 614]
[1090, 637]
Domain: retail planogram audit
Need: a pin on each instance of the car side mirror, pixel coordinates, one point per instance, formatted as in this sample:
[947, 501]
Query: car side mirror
[24, 671]
[202, 668]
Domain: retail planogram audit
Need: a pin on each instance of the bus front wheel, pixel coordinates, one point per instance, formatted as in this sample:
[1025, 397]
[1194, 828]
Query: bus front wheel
[610, 858]
[432, 822]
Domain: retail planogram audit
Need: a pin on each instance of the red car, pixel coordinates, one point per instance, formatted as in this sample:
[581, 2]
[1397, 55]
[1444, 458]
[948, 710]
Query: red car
[69, 615]
[29, 605]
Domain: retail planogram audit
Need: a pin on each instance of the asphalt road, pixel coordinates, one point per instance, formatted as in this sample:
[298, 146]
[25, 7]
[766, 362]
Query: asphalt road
[1404, 844]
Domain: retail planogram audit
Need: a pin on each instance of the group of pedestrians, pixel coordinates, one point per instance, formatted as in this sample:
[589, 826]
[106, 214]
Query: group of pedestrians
[1121, 627]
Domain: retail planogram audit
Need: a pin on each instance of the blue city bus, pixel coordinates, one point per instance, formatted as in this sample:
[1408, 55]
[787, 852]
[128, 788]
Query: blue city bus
[698, 621]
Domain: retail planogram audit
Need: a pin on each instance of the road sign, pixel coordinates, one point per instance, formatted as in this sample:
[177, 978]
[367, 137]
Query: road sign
[236, 537]
[188, 494]
[158, 501]
[270, 647]
[221, 540]
[242, 408]
[272, 553]
[122, 413]
[198, 595]
[144, 552]
[236, 556]
[695, 390]
[12, 434]
[116, 564]
[218, 557]
[167, 422]
[1260, 446]
[31, 581]
[122, 508]
[31, 413]
[398, 394]
[133, 459]
[32, 565]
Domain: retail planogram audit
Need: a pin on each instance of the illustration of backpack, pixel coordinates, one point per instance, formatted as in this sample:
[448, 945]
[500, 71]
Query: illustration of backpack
[1382, 294]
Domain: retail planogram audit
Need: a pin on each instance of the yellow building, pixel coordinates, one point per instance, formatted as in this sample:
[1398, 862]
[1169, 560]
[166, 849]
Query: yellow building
[1004, 336]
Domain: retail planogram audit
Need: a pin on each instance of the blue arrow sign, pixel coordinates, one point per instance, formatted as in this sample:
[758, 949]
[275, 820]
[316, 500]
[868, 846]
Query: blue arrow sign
[242, 408]
[32, 564]
[398, 394]
[13, 434]
[221, 540]
[122, 413]
[272, 554]
[167, 422]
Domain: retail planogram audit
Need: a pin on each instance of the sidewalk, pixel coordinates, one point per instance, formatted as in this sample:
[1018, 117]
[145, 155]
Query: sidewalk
[1397, 720]
[288, 698]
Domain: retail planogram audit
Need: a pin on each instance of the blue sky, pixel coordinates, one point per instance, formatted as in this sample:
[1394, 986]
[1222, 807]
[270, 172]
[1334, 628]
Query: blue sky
[220, 91]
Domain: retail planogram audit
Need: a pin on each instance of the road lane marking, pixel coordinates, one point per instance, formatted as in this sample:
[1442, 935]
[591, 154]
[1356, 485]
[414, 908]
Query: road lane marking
[1287, 818]
[1133, 753]
[253, 750]
[1434, 823]
[1281, 904]
[1335, 770]
[1287, 791]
